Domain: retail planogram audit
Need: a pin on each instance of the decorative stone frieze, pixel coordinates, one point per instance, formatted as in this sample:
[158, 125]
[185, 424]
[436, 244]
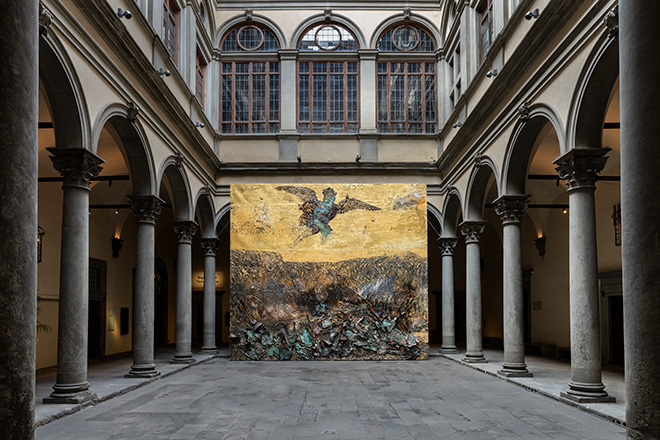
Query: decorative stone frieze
[76, 165]
[45, 20]
[511, 208]
[524, 112]
[611, 21]
[580, 167]
[132, 111]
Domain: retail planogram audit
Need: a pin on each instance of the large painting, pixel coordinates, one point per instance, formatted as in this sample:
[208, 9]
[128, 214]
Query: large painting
[322, 272]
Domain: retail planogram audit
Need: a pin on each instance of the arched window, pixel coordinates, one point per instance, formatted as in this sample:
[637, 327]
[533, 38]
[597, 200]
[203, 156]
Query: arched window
[406, 80]
[328, 92]
[250, 81]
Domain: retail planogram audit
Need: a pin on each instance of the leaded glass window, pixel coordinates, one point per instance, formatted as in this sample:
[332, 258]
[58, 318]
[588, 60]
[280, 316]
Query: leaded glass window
[485, 28]
[327, 37]
[169, 27]
[406, 88]
[250, 88]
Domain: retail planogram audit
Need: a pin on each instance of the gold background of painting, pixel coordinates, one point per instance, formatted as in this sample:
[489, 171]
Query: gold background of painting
[266, 219]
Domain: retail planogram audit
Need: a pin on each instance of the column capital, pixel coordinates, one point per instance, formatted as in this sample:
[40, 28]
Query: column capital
[511, 208]
[471, 230]
[580, 167]
[76, 165]
[447, 245]
[184, 230]
[146, 208]
[210, 246]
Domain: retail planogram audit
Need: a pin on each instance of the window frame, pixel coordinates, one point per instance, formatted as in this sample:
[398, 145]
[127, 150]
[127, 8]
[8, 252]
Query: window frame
[171, 11]
[200, 71]
[485, 11]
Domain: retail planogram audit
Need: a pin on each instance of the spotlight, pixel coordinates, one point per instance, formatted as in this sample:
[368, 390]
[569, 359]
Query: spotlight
[458, 124]
[124, 14]
[565, 211]
[357, 158]
[199, 124]
[162, 72]
[299, 158]
[491, 73]
[532, 14]
[116, 211]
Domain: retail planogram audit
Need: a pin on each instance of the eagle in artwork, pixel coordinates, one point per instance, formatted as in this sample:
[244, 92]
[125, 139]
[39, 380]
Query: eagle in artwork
[316, 214]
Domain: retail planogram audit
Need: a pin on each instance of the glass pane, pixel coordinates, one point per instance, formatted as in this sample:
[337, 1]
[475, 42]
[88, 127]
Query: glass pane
[382, 67]
[320, 89]
[397, 128]
[352, 98]
[258, 67]
[414, 67]
[415, 98]
[274, 100]
[397, 97]
[319, 128]
[226, 67]
[226, 99]
[241, 128]
[397, 67]
[382, 98]
[273, 128]
[337, 98]
[226, 128]
[259, 128]
[242, 98]
[336, 67]
[303, 128]
[250, 37]
[303, 98]
[430, 98]
[336, 128]
[430, 68]
[274, 67]
[320, 67]
[258, 98]
[242, 67]
[352, 128]
[414, 128]
[352, 67]
[303, 67]
[405, 38]
[329, 37]
[382, 128]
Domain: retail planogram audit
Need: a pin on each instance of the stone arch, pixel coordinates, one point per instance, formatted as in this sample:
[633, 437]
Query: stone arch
[134, 145]
[448, 18]
[321, 18]
[592, 95]
[209, 16]
[219, 217]
[400, 18]
[452, 209]
[478, 187]
[179, 187]
[519, 150]
[261, 19]
[68, 107]
[205, 213]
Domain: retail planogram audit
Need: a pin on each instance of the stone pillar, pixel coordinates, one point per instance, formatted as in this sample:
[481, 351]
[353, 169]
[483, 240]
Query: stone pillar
[579, 168]
[77, 166]
[146, 209]
[210, 246]
[639, 69]
[447, 245]
[471, 230]
[288, 135]
[510, 209]
[19, 100]
[183, 352]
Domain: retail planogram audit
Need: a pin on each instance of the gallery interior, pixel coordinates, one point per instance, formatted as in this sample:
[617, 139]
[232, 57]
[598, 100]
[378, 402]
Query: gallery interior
[128, 125]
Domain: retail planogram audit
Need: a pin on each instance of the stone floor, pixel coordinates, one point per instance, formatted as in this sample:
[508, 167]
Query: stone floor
[435, 399]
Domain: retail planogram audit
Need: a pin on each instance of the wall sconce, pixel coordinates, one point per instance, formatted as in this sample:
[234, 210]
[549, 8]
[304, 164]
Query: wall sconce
[124, 14]
[457, 125]
[117, 244]
[199, 124]
[616, 216]
[40, 242]
[491, 73]
[162, 72]
[357, 158]
[532, 14]
[540, 245]
[299, 158]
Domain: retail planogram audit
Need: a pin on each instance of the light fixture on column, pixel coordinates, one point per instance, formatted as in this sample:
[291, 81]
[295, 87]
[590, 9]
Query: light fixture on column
[124, 14]
[117, 244]
[539, 243]
[532, 14]
[491, 73]
[40, 242]
[357, 158]
[299, 158]
[199, 124]
[457, 125]
[162, 72]
[616, 216]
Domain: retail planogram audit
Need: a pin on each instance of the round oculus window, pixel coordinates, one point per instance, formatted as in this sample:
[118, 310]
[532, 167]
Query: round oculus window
[250, 37]
[405, 38]
[328, 37]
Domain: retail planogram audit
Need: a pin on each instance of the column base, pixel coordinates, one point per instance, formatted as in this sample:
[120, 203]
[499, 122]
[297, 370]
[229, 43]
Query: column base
[209, 351]
[518, 369]
[70, 394]
[477, 358]
[183, 358]
[587, 393]
[448, 350]
[143, 371]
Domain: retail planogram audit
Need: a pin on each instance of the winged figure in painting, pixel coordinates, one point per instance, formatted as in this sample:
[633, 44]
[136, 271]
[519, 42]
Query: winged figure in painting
[316, 214]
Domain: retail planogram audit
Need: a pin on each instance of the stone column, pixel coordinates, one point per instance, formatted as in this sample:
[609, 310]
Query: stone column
[209, 245]
[639, 53]
[471, 230]
[77, 166]
[511, 209]
[19, 100]
[288, 135]
[447, 245]
[183, 352]
[146, 209]
[579, 168]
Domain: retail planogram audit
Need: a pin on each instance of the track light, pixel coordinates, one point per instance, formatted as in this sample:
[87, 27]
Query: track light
[199, 124]
[162, 72]
[532, 14]
[357, 158]
[299, 158]
[491, 73]
[458, 124]
[124, 14]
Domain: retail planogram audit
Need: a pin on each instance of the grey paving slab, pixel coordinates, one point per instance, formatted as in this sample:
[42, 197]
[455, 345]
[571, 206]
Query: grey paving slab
[425, 400]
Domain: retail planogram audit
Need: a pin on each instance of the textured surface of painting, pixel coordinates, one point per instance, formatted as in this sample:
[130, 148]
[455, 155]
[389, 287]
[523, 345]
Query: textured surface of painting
[322, 272]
